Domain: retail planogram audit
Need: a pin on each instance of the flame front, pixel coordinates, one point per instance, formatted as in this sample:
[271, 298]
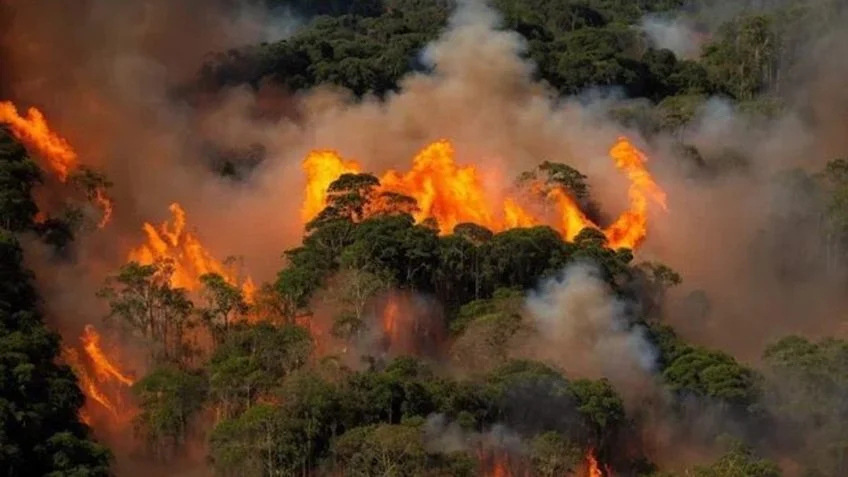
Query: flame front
[100, 378]
[443, 190]
[452, 194]
[34, 132]
[174, 243]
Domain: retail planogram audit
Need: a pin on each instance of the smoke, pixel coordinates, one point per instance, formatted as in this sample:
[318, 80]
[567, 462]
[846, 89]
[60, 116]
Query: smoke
[105, 73]
[583, 328]
[675, 34]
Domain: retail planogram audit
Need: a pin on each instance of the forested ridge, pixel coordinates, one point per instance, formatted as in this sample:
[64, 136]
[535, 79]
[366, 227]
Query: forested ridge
[384, 347]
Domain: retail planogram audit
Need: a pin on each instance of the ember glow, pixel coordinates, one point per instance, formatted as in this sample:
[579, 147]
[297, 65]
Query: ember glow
[175, 243]
[100, 377]
[452, 194]
[34, 132]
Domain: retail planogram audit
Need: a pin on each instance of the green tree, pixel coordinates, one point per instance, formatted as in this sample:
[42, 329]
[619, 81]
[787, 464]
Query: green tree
[40, 433]
[18, 176]
[168, 398]
[252, 361]
[739, 461]
[142, 300]
[225, 304]
[553, 455]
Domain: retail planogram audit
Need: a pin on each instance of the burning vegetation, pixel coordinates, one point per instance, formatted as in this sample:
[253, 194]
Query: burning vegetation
[434, 318]
[437, 188]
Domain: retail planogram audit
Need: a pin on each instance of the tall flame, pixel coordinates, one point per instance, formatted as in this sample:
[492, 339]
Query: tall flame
[452, 194]
[191, 260]
[322, 168]
[631, 227]
[443, 190]
[100, 378]
[36, 135]
[33, 131]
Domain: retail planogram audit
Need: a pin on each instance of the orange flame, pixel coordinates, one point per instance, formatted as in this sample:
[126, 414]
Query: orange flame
[390, 317]
[190, 258]
[36, 134]
[631, 227]
[593, 469]
[322, 168]
[96, 373]
[443, 190]
[104, 368]
[452, 194]
[105, 203]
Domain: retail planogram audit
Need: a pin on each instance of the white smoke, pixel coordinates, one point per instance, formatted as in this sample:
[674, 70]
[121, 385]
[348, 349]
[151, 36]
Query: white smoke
[584, 329]
[675, 34]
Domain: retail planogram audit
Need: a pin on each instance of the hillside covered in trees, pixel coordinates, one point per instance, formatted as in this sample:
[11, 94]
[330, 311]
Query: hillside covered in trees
[483, 309]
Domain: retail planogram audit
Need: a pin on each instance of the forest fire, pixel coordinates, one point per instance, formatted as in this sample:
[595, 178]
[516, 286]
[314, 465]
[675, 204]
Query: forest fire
[409, 325]
[175, 243]
[593, 469]
[34, 132]
[101, 379]
[452, 194]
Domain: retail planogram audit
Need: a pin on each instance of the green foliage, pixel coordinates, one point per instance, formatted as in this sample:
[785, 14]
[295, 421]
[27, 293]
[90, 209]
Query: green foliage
[168, 398]
[398, 450]
[713, 375]
[225, 303]
[142, 301]
[18, 176]
[806, 383]
[739, 461]
[39, 400]
[252, 361]
[743, 59]
[553, 455]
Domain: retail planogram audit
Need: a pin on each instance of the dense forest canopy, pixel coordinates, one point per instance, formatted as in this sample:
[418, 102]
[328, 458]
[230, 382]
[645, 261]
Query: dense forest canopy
[470, 238]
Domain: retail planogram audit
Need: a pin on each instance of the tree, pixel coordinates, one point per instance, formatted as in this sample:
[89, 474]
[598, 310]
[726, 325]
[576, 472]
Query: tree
[142, 300]
[396, 450]
[225, 304]
[252, 361]
[739, 461]
[168, 398]
[743, 60]
[356, 286]
[18, 176]
[40, 433]
[254, 444]
[804, 384]
[552, 455]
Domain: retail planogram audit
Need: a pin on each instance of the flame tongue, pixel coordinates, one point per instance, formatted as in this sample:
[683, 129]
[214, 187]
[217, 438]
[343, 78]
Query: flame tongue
[104, 368]
[98, 374]
[174, 243]
[631, 227]
[443, 190]
[322, 168]
[452, 194]
[36, 134]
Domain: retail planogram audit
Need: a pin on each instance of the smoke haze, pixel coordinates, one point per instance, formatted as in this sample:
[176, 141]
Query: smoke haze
[105, 73]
